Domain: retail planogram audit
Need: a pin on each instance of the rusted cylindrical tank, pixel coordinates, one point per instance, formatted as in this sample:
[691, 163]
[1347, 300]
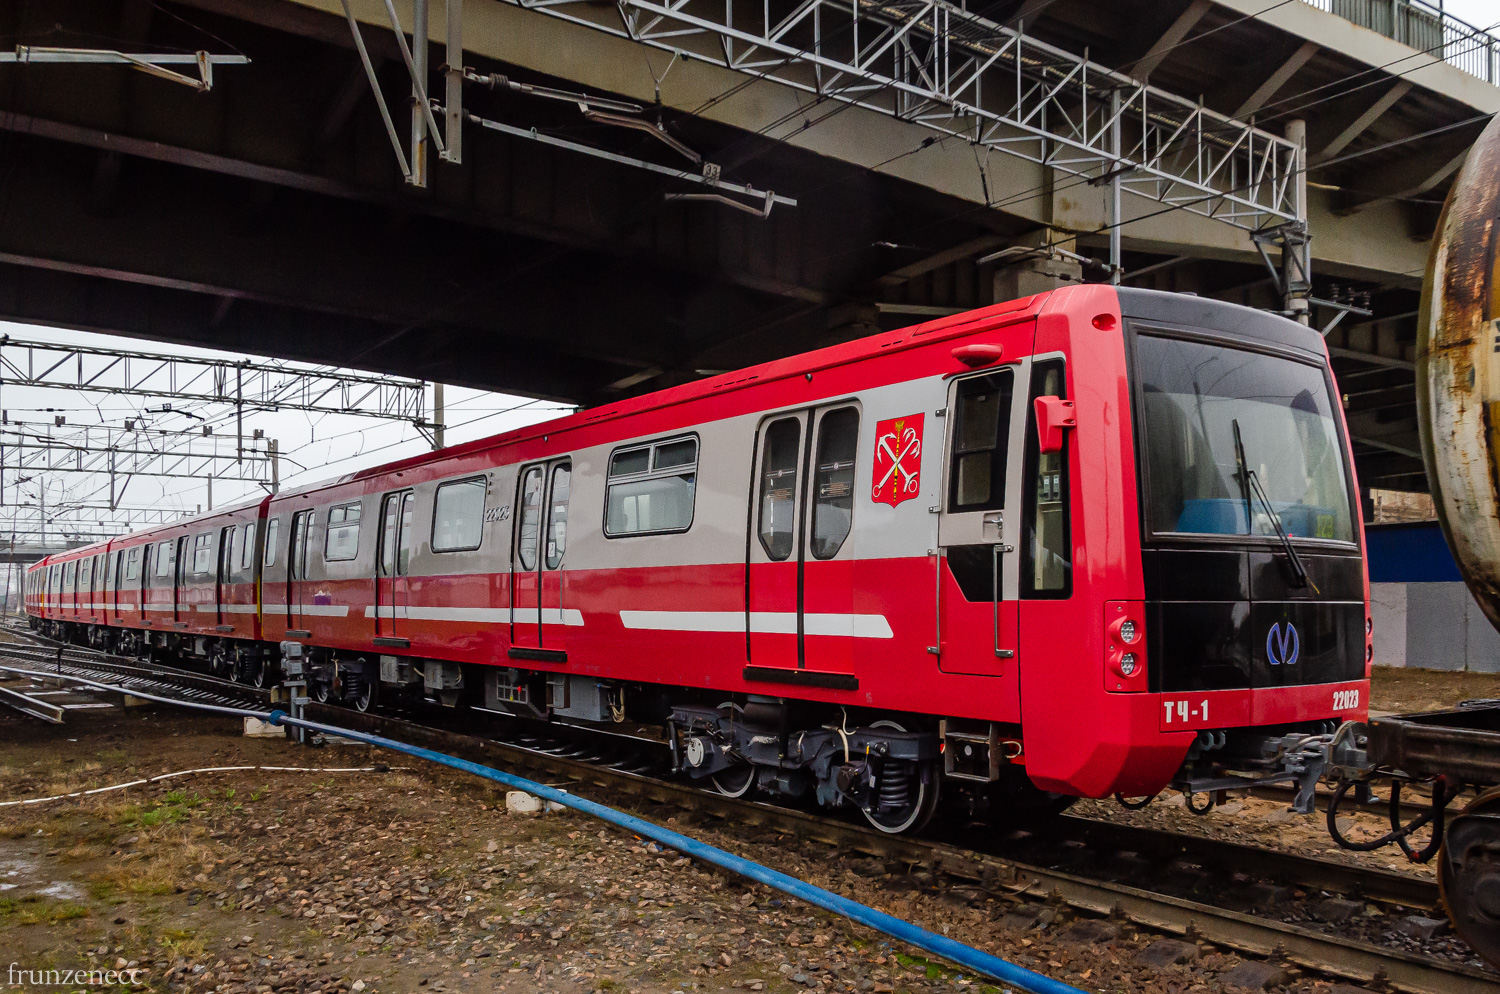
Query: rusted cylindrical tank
[1458, 371]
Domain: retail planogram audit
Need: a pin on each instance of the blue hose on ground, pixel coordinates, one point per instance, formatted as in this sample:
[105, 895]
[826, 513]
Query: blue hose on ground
[965, 956]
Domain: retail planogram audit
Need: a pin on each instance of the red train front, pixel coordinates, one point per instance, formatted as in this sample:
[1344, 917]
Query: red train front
[1085, 543]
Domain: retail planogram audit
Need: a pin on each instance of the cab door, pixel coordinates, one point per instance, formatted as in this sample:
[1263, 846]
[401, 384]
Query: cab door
[393, 564]
[979, 524]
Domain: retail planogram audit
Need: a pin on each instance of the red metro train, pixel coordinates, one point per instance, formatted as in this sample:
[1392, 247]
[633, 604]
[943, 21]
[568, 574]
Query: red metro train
[1090, 542]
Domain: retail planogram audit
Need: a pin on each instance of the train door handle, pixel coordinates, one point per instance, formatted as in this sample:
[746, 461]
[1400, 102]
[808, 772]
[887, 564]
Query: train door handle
[999, 550]
[992, 525]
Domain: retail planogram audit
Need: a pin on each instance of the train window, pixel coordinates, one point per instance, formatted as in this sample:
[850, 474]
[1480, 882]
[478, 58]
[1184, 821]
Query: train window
[247, 547]
[833, 484]
[531, 516]
[273, 526]
[630, 462]
[342, 541]
[557, 525]
[133, 563]
[651, 488]
[1049, 559]
[166, 557]
[86, 574]
[778, 487]
[203, 553]
[981, 427]
[458, 516]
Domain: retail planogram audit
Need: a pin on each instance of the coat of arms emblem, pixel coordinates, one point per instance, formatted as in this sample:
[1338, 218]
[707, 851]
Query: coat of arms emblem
[898, 460]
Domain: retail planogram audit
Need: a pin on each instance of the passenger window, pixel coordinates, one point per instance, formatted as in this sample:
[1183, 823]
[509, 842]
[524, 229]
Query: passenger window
[833, 512]
[981, 428]
[651, 489]
[247, 547]
[557, 527]
[342, 540]
[1048, 571]
[133, 563]
[166, 558]
[778, 487]
[203, 553]
[85, 574]
[531, 514]
[458, 516]
[273, 527]
[229, 538]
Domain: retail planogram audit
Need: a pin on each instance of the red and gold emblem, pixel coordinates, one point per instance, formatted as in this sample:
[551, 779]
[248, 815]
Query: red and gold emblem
[898, 460]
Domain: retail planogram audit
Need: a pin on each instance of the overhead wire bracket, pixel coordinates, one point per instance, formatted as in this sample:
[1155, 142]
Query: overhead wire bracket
[153, 64]
[709, 176]
[385, 111]
[599, 110]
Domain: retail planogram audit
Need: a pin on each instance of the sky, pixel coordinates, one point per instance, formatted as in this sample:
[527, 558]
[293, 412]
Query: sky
[313, 446]
[1479, 13]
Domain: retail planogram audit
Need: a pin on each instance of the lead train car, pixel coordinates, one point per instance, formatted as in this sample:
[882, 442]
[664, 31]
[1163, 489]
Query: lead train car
[1028, 551]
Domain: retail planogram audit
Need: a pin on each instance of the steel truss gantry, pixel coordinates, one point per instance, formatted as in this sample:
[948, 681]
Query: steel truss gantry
[244, 384]
[133, 452]
[963, 76]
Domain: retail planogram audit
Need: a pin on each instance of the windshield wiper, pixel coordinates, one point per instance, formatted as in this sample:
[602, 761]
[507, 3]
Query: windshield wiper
[1249, 481]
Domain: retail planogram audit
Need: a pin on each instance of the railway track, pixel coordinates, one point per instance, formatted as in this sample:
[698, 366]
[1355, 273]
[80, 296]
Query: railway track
[633, 767]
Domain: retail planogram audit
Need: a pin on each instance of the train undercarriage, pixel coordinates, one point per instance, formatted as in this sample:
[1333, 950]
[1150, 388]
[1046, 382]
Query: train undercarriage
[888, 766]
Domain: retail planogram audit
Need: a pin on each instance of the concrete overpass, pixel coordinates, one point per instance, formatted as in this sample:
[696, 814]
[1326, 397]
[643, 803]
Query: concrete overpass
[270, 214]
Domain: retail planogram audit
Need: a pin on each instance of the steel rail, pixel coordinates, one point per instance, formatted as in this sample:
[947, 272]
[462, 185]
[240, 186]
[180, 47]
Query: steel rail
[27, 705]
[1326, 954]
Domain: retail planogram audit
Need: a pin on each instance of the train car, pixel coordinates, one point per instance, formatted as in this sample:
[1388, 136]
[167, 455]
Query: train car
[1089, 542]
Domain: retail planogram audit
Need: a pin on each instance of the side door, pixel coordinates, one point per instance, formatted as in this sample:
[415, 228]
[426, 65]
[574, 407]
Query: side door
[553, 581]
[183, 564]
[773, 575]
[296, 572]
[228, 540]
[979, 523]
[112, 586]
[536, 560]
[392, 562]
[829, 625]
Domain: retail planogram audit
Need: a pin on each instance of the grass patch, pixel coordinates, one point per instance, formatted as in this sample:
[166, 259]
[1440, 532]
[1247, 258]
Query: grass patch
[33, 910]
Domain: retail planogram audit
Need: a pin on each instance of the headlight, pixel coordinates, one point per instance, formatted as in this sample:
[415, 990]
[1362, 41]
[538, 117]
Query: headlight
[1127, 631]
[1127, 663]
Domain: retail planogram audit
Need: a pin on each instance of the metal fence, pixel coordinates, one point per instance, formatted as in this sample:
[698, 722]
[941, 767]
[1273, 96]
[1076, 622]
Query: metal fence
[1426, 28]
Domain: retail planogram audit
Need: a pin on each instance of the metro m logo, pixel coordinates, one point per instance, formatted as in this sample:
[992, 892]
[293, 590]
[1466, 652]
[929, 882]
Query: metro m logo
[898, 460]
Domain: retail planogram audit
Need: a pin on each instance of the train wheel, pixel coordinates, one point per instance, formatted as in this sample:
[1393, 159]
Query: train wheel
[1469, 877]
[735, 781]
[360, 692]
[219, 663]
[319, 690]
[910, 798]
[262, 672]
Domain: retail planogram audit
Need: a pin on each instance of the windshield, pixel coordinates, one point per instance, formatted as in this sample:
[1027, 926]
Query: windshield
[1192, 394]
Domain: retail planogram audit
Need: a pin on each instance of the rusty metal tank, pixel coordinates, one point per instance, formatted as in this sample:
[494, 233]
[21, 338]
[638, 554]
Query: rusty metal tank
[1458, 370]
